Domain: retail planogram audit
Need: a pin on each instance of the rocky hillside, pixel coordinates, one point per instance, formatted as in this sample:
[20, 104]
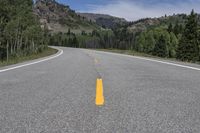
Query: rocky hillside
[103, 20]
[59, 18]
[144, 24]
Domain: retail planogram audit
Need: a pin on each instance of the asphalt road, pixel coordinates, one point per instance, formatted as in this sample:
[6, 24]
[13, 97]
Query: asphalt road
[141, 96]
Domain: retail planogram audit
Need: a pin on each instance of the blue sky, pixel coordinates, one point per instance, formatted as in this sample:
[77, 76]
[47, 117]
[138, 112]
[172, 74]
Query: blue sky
[134, 9]
[83, 5]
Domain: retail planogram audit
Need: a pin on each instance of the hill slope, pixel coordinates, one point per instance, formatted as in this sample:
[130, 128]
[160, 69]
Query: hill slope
[104, 20]
[59, 18]
[165, 21]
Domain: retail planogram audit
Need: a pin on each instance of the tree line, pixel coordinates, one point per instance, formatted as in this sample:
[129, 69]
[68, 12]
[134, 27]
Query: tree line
[175, 40]
[178, 41]
[21, 34]
[20, 30]
[63, 39]
[189, 46]
[95, 39]
[158, 42]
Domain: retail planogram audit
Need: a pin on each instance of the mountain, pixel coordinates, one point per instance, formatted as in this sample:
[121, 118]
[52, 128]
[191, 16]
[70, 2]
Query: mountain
[59, 18]
[104, 20]
[165, 21]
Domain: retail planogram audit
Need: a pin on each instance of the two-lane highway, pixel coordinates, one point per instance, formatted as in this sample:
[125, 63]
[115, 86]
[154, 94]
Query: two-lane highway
[141, 96]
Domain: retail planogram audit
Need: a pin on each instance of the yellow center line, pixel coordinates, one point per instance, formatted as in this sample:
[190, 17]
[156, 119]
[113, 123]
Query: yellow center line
[99, 93]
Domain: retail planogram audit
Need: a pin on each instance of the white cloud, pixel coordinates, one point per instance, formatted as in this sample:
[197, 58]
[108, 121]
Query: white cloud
[132, 10]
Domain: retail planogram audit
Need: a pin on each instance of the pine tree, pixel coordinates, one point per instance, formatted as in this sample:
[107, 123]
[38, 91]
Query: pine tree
[150, 42]
[176, 29]
[140, 42]
[161, 47]
[188, 46]
[68, 32]
[75, 42]
[170, 28]
[180, 28]
[173, 45]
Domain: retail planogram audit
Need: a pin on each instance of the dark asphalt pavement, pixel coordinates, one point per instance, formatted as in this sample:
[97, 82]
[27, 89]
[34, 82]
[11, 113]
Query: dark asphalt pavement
[141, 96]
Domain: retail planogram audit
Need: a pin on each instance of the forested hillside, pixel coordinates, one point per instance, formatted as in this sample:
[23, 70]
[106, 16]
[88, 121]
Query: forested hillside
[174, 37]
[20, 30]
[105, 21]
[27, 27]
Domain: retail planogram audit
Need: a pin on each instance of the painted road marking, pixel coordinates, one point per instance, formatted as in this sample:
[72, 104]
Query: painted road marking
[99, 93]
[152, 60]
[35, 62]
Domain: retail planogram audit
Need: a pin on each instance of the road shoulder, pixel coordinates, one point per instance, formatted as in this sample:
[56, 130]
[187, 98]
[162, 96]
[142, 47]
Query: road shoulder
[57, 52]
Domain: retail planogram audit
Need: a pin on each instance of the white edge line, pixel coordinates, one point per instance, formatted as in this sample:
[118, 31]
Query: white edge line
[60, 51]
[152, 60]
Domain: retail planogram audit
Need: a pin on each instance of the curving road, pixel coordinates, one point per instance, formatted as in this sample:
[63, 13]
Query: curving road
[141, 95]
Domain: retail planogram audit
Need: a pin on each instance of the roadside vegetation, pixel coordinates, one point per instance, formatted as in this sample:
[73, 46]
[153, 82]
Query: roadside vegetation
[14, 60]
[20, 32]
[178, 39]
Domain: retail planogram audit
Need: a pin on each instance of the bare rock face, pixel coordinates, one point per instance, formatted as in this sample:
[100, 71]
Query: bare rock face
[59, 18]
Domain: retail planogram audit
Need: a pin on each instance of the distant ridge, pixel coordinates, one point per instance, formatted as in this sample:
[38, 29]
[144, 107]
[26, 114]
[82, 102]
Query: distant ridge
[104, 20]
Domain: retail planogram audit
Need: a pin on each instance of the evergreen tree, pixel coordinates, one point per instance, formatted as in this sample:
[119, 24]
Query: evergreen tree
[173, 45]
[149, 42]
[75, 42]
[176, 29]
[140, 42]
[188, 46]
[170, 28]
[180, 28]
[161, 47]
[68, 32]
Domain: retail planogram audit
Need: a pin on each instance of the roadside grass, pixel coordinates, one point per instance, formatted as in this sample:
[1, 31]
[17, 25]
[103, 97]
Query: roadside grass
[135, 53]
[49, 51]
